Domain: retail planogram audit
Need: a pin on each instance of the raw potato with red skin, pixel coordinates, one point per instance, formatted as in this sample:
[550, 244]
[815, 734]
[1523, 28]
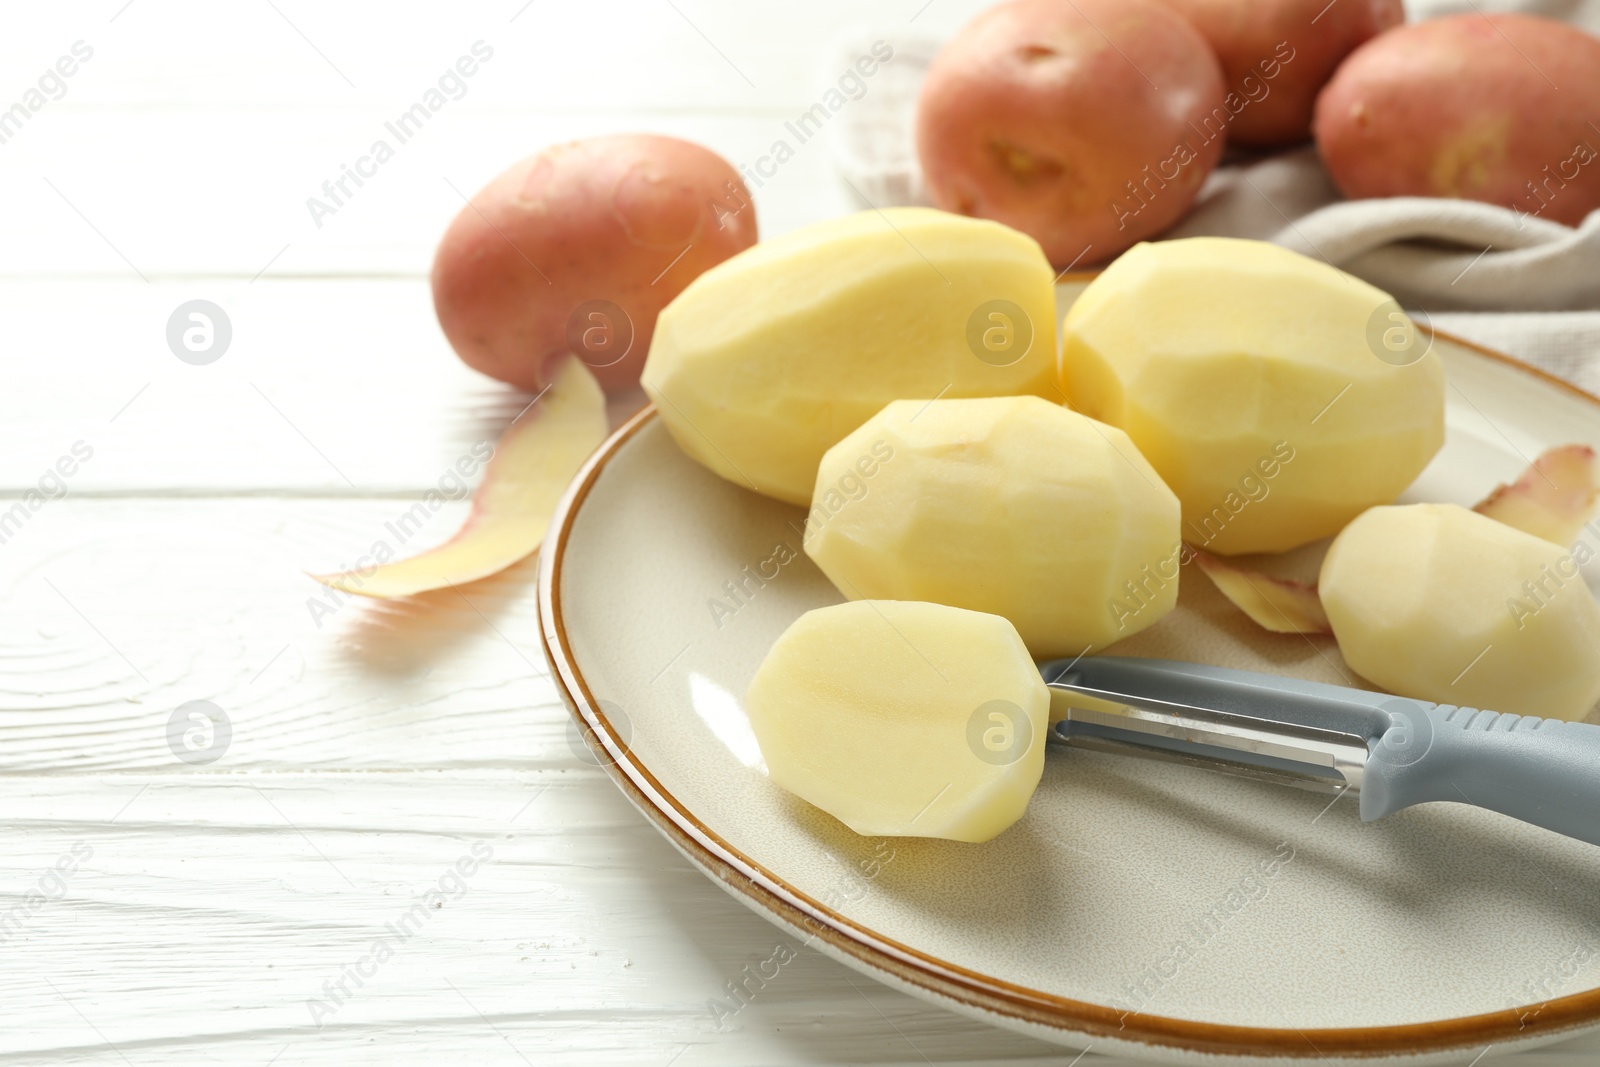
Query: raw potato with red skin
[628, 219]
[1278, 54]
[1469, 107]
[1047, 116]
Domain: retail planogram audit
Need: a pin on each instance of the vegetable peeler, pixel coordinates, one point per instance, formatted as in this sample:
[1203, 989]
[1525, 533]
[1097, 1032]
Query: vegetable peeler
[1392, 751]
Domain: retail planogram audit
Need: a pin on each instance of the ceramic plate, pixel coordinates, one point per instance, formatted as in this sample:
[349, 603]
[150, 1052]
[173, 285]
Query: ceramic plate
[1148, 908]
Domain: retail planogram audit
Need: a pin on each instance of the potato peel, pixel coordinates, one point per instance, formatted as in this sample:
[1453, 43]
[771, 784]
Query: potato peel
[534, 461]
[1280, 605]
[1552, 499]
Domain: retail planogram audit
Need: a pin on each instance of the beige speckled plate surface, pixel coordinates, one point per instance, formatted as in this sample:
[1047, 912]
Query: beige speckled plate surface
[1150, 908]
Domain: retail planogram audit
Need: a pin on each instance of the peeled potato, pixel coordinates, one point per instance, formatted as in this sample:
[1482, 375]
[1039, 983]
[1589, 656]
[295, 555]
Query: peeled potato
[768, 359]
[1278, 54]
[1436, 602]
[1008, 505]
[1089, 125]
[1277, 396]
[578, 248]
[903, 719]
[1499, 108]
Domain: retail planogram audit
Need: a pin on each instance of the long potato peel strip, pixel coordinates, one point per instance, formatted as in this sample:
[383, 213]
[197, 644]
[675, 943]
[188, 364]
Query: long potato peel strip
[534, 461]
[1554, 497]
[1277, 604]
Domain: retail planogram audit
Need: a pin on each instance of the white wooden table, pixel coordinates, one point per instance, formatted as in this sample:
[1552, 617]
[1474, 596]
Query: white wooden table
[159, 911]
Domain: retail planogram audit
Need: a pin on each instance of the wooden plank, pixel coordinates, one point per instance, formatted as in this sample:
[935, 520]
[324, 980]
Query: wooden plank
[119, 611]
[705, 56]
[219, 147]
[347, 389]
[226, 192]
[227, 916]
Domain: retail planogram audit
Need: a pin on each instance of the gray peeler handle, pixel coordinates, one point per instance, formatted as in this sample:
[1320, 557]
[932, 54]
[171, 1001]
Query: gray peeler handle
[1542, 771]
